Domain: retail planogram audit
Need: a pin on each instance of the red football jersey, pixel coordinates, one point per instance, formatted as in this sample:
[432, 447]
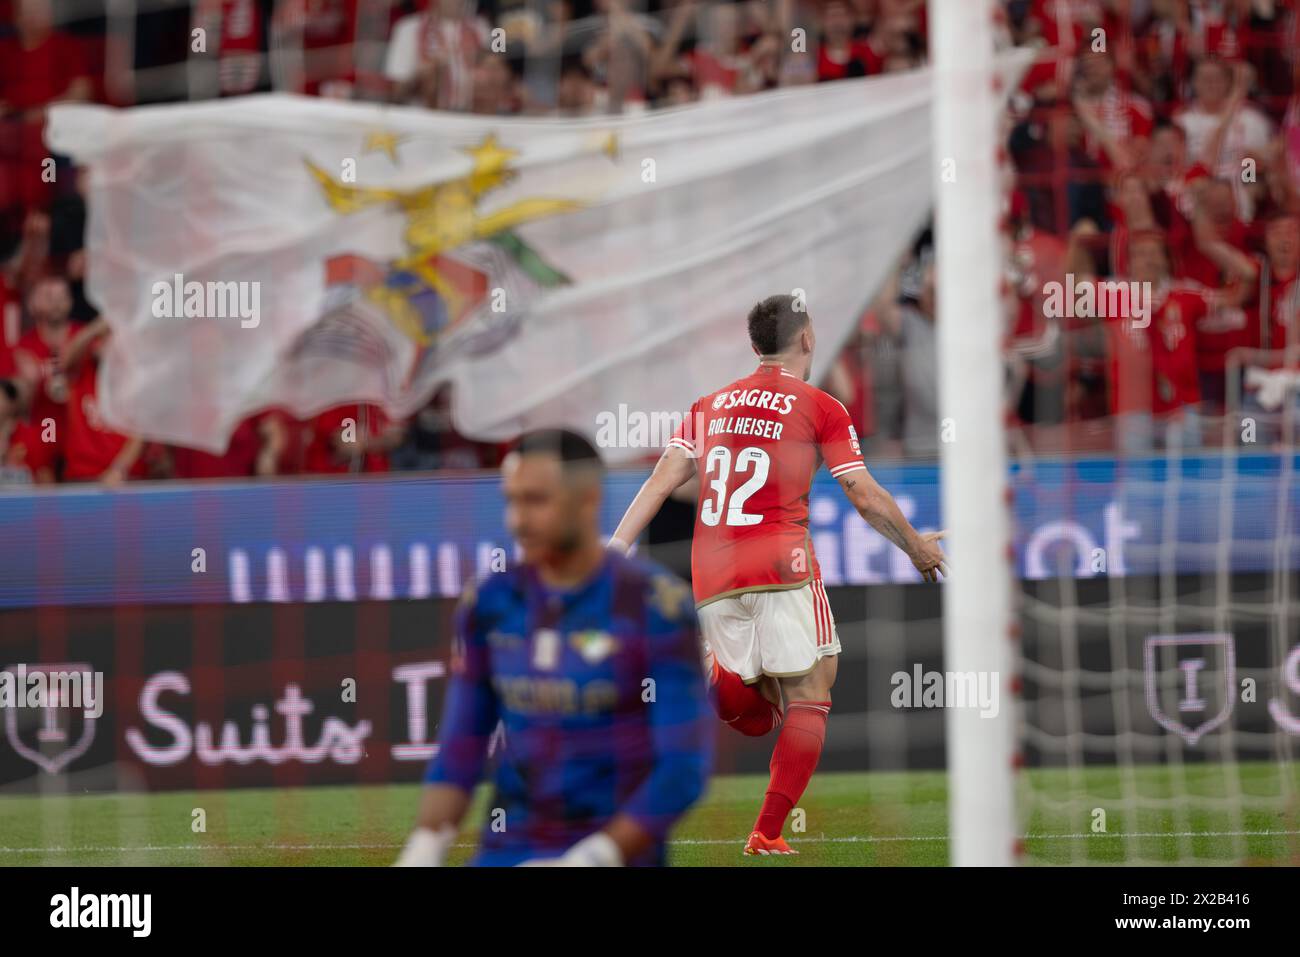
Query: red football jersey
[1173, 335]
[50, 397]
[91, 446]
[758, 443]
[321, 455]
[27, 455]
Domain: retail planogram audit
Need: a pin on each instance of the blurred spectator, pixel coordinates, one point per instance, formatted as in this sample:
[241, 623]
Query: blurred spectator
[257, 447]
[323, 47]
[1116, 123]
[1281, 328]
[94, 452]
[39, 65]
[620, 56]
[235, 38]
[497, 90]
[351, 438]
[1163, 42]
[38, 358]
[1156, 368]
[918, 359]
[576, 94]
[1222, 127]
[432, 442]
[432, 54]
[1282, 248]
[24, 459]
[839, 54]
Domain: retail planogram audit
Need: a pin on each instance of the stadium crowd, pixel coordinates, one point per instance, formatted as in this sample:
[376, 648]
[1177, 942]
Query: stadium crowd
[1151, 141]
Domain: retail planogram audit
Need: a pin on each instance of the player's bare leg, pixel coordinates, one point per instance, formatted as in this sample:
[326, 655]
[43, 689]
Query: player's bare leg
[770, 688]
[797, 751]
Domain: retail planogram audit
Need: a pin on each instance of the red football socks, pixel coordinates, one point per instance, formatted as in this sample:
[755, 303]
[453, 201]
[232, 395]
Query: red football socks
[794, 760]
[741, 706]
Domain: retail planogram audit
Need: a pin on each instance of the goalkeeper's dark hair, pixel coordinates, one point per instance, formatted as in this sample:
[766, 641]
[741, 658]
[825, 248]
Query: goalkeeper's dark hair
[774, 323]
[575, 452]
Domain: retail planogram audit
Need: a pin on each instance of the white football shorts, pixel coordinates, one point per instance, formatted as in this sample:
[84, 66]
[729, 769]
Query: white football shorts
[782, 633]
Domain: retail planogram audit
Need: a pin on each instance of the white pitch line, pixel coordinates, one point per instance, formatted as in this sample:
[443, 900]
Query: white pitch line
[683, 842]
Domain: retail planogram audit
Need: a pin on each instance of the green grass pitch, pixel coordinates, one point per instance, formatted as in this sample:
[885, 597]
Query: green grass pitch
[1199, 814]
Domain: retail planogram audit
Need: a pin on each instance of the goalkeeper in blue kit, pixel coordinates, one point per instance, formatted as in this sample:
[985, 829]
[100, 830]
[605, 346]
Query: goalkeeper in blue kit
[591, 663]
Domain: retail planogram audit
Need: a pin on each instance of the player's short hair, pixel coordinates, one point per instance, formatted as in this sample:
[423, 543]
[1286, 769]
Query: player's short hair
[575, 452]
[773, 324]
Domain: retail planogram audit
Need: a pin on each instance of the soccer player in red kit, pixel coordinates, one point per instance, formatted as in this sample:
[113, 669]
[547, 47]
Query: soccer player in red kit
[766, 622]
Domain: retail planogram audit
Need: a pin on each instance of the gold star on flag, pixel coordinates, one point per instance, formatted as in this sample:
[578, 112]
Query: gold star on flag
[384, 141]
[488, 156]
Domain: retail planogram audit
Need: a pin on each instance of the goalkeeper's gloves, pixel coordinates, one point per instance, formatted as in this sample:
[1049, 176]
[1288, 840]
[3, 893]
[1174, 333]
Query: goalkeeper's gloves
[595, 850]
[426, 847]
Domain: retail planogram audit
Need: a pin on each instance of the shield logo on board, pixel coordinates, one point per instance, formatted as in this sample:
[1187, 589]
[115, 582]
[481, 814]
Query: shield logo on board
[56, 734]
[1190, 682]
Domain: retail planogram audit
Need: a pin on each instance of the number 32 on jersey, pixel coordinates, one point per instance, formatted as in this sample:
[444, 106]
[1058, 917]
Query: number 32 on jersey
[751, 461]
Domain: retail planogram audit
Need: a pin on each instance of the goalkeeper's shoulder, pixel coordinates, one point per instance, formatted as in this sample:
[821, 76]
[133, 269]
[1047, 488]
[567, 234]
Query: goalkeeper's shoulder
[492, 592]
[667, 598]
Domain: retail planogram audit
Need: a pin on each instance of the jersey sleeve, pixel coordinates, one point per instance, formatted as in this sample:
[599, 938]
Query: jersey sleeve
[469, 714]
[687, 435]
[681, 720]
[837, 440]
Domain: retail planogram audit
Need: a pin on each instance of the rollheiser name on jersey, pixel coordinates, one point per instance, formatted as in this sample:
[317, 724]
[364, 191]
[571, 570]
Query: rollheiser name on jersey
[758, 442]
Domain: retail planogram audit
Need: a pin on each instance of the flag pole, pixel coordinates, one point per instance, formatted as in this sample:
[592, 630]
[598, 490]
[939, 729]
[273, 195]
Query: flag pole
[977, 600]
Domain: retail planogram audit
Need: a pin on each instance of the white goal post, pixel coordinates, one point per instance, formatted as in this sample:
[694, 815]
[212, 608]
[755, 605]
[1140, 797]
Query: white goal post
[977, 599]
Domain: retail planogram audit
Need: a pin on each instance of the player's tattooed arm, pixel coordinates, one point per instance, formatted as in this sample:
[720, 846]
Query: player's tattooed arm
[674, 467]
[882, 513]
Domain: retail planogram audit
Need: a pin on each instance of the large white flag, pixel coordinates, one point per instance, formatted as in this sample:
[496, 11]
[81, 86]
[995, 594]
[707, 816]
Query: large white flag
[295, 252]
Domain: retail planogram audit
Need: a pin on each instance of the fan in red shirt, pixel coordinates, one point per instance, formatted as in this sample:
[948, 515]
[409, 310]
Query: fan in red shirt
[24, 458]
[1116, 123]
[235, 32]
[1167, 345]
[839, 55]
[1161, 195]
[1219, 260]
[764, 615]
[38, 66]
[256, 447]
[37, 356]
[1282, 246]
[351, 438]
[1241, 295]
[318, 44]
[94, 451]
